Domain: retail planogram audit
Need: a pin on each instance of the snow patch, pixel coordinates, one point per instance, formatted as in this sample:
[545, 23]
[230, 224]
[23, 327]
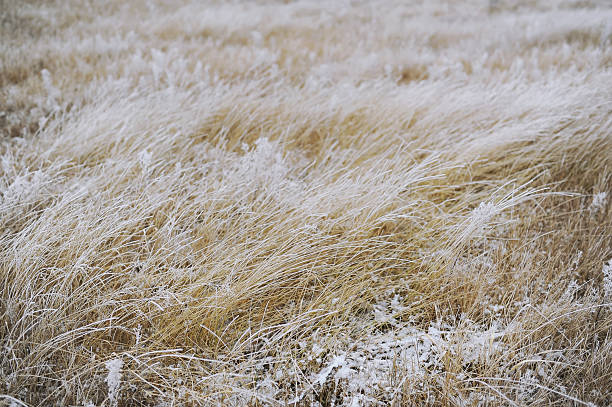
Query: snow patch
[599, 203]
[113, 380]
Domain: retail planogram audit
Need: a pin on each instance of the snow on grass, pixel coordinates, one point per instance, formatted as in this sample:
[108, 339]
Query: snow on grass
[113, 380]
[607, 281]
[240, 203]
[599, 202]
[365, 370]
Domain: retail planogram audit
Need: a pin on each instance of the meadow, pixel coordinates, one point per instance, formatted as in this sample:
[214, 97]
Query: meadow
[305, 203]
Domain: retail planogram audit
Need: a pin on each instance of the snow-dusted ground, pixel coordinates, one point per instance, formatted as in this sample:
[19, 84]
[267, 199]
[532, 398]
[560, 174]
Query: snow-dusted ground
[305, 203]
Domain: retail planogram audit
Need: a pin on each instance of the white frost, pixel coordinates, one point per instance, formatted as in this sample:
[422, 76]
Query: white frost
[607, 281]
[599, 202]
[113, 380]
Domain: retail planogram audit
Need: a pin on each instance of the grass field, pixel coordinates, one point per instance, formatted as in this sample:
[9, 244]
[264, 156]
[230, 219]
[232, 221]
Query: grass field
[311, 203]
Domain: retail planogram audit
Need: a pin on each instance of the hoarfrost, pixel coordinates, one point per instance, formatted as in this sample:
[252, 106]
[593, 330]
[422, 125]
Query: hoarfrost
[479, 218]
[53, 94]
[113, 380]
[607, 281]
[599, 203]
[145, 159]
[484, 212]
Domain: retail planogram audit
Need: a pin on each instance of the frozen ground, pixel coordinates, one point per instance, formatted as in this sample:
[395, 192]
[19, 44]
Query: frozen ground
[305, 203]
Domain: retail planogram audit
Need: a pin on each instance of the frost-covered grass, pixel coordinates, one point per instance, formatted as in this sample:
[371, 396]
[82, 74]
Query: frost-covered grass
[305, 203]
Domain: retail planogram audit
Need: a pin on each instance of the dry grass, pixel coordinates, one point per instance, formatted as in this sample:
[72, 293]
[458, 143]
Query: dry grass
[292, 203]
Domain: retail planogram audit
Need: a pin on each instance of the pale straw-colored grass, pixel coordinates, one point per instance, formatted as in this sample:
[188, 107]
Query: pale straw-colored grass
[305, 203]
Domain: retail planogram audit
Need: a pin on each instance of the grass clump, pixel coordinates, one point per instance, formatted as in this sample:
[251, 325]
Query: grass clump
[301, 203]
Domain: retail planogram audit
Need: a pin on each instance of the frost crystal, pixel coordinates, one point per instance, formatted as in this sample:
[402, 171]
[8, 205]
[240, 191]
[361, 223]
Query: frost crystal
[145, 159]
[480, 216]
[267, 169]
[607, 280]
[599, 202]
[482, 345]
[24, 189]
[337, 361]
[113, 380]
[484, 212]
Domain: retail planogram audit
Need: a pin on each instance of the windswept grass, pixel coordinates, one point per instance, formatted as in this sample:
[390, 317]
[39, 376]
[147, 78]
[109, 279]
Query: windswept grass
[305, 203]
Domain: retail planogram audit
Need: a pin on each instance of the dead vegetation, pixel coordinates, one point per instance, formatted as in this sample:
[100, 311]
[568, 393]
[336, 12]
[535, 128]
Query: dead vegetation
[305, 203]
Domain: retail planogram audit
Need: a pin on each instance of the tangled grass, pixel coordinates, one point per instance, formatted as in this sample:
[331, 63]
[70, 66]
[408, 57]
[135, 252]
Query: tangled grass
[305, 203]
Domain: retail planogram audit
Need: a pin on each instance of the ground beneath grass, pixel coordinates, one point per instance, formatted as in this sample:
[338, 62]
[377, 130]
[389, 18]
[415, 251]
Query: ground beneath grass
[309, 203]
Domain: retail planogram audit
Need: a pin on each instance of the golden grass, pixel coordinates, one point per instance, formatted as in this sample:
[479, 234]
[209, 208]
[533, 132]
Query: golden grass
[305, 203]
